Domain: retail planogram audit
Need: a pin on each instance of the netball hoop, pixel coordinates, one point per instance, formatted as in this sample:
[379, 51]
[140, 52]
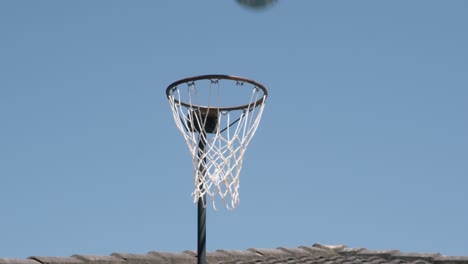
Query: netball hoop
[218, 116]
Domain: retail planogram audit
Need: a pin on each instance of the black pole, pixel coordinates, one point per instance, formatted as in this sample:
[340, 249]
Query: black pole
[201, 234]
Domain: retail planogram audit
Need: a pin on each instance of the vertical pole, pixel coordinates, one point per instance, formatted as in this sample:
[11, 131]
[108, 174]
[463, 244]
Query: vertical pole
[201, 234]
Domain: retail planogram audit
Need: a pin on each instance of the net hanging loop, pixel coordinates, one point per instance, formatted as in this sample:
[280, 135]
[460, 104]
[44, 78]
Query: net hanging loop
[217, 116]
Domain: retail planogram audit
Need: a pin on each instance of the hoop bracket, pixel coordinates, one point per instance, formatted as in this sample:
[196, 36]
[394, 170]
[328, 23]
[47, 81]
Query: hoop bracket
[203, 119]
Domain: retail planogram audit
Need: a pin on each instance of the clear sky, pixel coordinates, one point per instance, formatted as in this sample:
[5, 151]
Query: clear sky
[363, 140]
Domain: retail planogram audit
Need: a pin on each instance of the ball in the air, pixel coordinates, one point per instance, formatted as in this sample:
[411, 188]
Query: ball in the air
[256, 4]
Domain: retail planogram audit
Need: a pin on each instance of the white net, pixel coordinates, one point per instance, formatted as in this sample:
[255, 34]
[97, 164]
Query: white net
[217, 136]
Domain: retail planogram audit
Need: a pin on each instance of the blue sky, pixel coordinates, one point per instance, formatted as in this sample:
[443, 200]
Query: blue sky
[363, 141]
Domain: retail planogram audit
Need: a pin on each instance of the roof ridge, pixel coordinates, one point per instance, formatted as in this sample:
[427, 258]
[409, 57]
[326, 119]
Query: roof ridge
[315, 254]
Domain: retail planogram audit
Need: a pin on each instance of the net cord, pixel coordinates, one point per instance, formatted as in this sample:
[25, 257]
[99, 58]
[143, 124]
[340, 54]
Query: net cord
[223, 152]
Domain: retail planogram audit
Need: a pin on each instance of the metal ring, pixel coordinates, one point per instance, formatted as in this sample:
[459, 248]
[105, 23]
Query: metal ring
[219, 77]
